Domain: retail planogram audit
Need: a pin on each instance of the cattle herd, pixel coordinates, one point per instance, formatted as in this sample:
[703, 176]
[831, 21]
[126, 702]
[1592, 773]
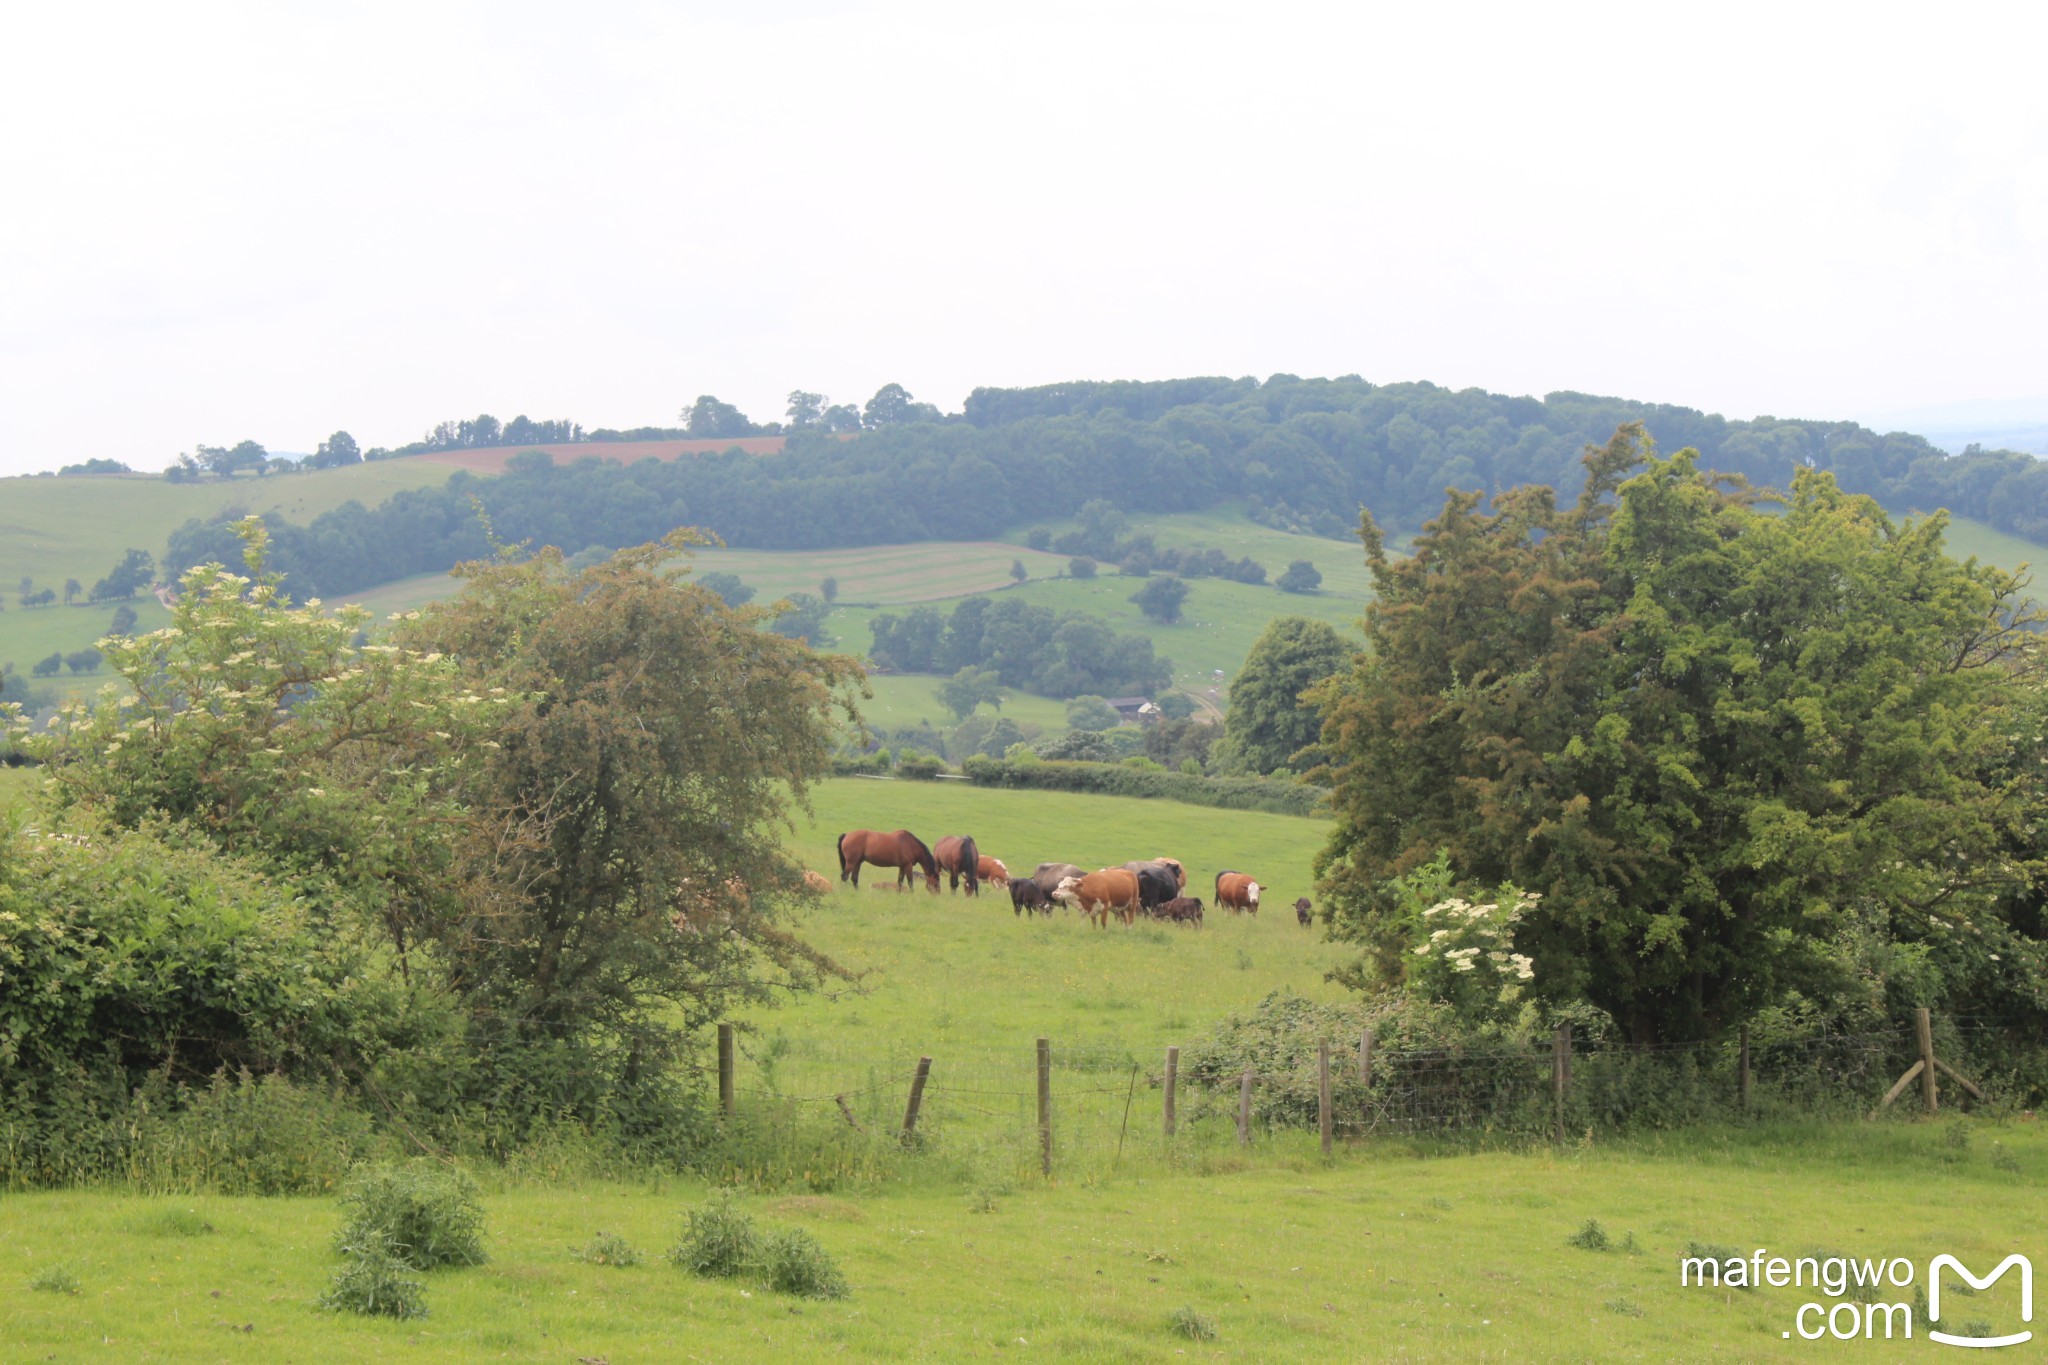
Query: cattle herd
[1155, 888]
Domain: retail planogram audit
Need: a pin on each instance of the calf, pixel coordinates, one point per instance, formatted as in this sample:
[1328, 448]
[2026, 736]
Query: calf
[1181, 910]
[1236, 892]
[1026, 894]
[1304, 912]
[817, 884]
[1099, 894]
[991, 869]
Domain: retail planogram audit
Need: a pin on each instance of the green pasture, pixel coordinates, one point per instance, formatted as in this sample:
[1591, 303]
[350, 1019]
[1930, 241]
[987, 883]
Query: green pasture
[1377, 1256]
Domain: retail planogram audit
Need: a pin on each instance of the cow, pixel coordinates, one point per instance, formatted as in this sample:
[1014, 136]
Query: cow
[1026, 894]
[992, 869]
[1155, 886]
[1098, 894]
[1181, 910]
[1169, 867]
[1236, 892]
[1050, 875]
[817, 883]
[1304, 912]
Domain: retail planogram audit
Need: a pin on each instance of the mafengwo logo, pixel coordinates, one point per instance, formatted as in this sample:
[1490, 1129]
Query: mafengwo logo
[1857, 1288]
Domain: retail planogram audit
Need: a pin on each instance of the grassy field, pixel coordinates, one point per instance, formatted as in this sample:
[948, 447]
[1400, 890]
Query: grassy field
[1380, 1256]
[1387, 1252]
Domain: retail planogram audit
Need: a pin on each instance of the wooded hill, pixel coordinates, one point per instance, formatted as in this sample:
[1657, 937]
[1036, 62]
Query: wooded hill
[1304, 454]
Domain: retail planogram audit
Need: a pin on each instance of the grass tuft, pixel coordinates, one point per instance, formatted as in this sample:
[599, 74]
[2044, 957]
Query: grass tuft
[1186, 1322]
[375, 1283]
[1591, 1237]
[55, 1279]
[607, 1248]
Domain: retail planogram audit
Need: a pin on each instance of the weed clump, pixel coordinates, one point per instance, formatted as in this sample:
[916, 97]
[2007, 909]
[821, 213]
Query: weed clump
[718, 1240]
[1625, 1308]
[176, 1223]
[1186, 1322]
[1714, 1251]
[375, 1283]
[422, 1213]
[794, 1263]
[2003, 1159]
[607, 1248]
[1591, 1237]
[55, 1279]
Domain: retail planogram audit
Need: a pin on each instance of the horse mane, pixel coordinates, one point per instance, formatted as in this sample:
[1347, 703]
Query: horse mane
[925, 859]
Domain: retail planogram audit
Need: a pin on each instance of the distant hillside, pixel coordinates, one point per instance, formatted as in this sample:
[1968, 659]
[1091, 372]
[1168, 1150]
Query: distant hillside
[1299, 455]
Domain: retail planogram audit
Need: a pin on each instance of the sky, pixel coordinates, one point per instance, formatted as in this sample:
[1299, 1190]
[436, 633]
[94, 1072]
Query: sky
[270, 222]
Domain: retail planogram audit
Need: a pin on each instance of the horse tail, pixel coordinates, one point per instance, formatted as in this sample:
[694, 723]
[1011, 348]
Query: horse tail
[841, 846]
[970, 863]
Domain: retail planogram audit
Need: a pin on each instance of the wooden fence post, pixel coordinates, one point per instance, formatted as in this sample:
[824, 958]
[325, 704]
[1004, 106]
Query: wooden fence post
[1172, 1083]
[1560, 1071]
[924, 1069]
[1744, 1076]
[1244, 1108]
[725, 1066]
[1923, 1025]
[1323, 1095]
[1365, 1058]
[1045, 1105]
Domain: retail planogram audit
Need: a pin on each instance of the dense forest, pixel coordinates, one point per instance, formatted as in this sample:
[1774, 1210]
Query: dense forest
[1303, 454]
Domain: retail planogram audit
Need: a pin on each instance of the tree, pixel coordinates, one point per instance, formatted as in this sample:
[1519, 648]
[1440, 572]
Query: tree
[1017, 573]
[1078, 746]
[1269, 723]
[126, 578]
[83, 661]
[645, 899]
[840, 417]
[1080, 566]
[968, 689]
[1177, 706]
[729, 587]
[72, 587]
[1716, 743]
[891, 406]
[123, 622]
[829, 590]
[1038, 538]
[801, 617]
[1161, 598]
[337, 450]
[1301, 576]
[805, 409]
[1092, 713]
[708, 418]
[49, 667]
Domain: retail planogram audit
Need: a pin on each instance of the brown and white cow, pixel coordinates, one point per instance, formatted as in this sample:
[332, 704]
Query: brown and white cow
[992, 870]
[1236, 893]
[1099, 894]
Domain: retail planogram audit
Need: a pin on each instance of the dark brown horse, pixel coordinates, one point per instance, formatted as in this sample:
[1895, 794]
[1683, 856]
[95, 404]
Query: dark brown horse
[958, 857]
[901, 850]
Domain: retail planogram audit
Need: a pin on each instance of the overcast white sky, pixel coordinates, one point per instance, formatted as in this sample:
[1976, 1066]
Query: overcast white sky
[271, 221]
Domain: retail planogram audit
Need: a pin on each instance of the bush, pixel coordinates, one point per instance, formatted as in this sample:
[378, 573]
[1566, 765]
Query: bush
[1227, 793]
[425, 1212]
[718, 1240]
[1591, 1237]
[918, 767]
[794, 1263]
[375, 1284]
[1081, 566]
[607, 1248]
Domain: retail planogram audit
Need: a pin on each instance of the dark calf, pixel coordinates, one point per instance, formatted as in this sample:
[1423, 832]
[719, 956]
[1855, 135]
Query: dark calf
[1304, 912]
[1026, 894]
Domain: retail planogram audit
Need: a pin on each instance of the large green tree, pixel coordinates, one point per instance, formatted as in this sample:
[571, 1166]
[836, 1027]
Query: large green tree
[1269, 723]
[1714, 740]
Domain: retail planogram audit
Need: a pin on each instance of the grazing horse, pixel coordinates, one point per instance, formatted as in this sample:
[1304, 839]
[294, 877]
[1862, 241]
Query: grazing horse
[958, 857]
[901, 850]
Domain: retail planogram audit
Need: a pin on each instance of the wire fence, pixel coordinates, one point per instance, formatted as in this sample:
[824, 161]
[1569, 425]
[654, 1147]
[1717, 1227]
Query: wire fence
[1076, 1109]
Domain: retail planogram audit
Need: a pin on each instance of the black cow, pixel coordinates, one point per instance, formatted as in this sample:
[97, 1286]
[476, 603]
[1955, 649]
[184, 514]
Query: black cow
[1304, 913]
[1156, 886]
[1026, 894]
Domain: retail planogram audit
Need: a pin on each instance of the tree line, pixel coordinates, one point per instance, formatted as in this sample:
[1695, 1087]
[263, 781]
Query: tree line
[1023, 646]
[1302, 454]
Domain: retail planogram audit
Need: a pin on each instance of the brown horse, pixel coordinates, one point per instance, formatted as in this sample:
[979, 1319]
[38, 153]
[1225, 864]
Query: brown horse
[958, 857]
[901, 850]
